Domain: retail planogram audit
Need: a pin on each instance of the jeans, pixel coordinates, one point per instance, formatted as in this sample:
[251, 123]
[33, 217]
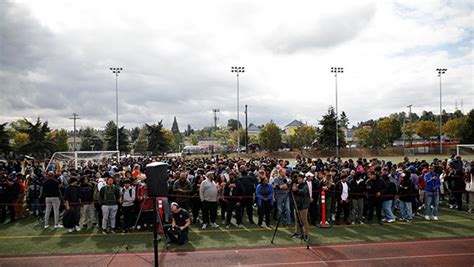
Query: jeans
[52, 202]
[109, 211]
[431, 198]
[387, 209]
[283, 205]
[405, 210]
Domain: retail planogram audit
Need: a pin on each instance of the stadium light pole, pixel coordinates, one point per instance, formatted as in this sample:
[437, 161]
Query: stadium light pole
[337, 70]
[116, 71]
[238, 70]
[440, 72]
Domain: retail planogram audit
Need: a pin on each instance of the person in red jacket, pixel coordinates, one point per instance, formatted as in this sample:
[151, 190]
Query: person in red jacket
[145, 204]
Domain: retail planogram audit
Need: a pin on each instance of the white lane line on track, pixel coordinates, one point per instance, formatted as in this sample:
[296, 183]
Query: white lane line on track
[258, 249]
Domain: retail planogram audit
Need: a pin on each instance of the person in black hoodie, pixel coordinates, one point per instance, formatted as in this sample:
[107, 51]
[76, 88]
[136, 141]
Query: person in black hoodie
[375, 187]
[11, 195]
[86, 191]
[343, 200]
[73, 203]
[387, 197]
[407, 194]
[250, 183]
[357, 192]
[233, 192]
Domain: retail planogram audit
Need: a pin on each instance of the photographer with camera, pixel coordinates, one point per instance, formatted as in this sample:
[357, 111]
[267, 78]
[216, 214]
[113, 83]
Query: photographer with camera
[301, 195]
[282, 183]
[180, 222]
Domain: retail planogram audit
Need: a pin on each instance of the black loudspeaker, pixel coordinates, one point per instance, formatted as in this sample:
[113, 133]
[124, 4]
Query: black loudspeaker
[157, 179]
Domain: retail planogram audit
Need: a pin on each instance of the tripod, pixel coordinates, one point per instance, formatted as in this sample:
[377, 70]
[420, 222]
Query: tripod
[298, 218]
[156, 220]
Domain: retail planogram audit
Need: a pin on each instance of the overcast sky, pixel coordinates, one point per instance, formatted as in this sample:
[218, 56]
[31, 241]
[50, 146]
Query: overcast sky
[177, 55]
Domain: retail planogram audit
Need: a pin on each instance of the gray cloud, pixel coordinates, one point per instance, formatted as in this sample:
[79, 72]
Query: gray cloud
[321, 33]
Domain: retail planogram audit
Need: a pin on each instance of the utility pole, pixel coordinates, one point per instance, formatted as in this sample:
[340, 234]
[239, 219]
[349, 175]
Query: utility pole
[337, 70]
[74, 118]
[237, 71]
[440, 72]
[246, 132]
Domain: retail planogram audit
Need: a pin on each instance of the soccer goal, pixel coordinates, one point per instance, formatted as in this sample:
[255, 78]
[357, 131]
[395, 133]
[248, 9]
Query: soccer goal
[465, 151]
[72, 159]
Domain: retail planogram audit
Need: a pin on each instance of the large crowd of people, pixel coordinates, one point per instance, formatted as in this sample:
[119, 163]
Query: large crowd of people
[214, 192]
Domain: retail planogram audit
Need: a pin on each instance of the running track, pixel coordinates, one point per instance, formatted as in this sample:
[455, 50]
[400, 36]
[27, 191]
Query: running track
[438, 252]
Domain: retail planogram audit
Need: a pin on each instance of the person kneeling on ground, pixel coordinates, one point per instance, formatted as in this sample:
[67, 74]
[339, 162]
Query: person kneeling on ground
[180, 221]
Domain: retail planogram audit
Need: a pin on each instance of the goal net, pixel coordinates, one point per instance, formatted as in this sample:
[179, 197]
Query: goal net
[466, 151]
[67, 159]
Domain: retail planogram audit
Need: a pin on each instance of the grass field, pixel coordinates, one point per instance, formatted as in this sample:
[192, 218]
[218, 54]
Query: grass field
[27, 237]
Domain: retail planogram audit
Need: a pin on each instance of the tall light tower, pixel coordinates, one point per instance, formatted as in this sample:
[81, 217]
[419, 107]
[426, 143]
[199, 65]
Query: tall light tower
[440, 72]
[337, 70]
[238, 70]
[116, 71]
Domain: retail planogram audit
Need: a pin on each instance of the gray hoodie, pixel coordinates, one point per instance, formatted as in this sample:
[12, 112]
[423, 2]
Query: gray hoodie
[208, 191]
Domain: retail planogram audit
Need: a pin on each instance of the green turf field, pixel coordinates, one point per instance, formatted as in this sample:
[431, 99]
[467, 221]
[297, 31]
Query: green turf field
[27, 237]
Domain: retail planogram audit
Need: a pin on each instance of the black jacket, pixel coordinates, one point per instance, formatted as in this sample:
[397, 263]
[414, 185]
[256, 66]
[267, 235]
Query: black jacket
[406, 190]
[86, 193]
[376, 186]
[249, 183]
[301, 196]
[72, 195]
[51, 188]
[390, 190]
[234, 190]
[357, 191]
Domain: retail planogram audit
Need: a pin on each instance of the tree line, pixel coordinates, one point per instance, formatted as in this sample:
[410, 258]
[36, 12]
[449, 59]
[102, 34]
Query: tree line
[36, 138]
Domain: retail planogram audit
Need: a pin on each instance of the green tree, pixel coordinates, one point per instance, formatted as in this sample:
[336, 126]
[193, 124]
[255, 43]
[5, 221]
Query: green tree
[134, 133]
[241, 137]
[194, 139]
[110, 136]
[409, 131]
[38, 145]
[327, 134]
[157, 141]
[222, 135]
[59, 138]
[362, 136]
[389, 129]
[467, 132]
[426, 129]
[5, 147]
[453, 127]
[90, 140]
[174, 127]
[140, 145]
[304, 136]
[270, 137]
[232, 124]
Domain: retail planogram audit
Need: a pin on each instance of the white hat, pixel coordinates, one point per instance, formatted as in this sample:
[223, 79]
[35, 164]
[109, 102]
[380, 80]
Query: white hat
[309, 174]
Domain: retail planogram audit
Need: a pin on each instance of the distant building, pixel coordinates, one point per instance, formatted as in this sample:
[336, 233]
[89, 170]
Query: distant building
[70, 143]
[253, 130]
[291, 127]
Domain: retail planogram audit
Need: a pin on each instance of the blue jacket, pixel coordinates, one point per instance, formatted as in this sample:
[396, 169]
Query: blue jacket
[432, 185]
[268, 189]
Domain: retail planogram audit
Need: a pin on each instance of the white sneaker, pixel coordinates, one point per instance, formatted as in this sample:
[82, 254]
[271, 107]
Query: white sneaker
[77, 228]
[391, 220]
[46, 226]
[204, 226]
[227, 226]
[214, 225]
[352, 223]
[70, 230]
[427, 218]
[58, 226]
[240, 226]
[435, 218]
